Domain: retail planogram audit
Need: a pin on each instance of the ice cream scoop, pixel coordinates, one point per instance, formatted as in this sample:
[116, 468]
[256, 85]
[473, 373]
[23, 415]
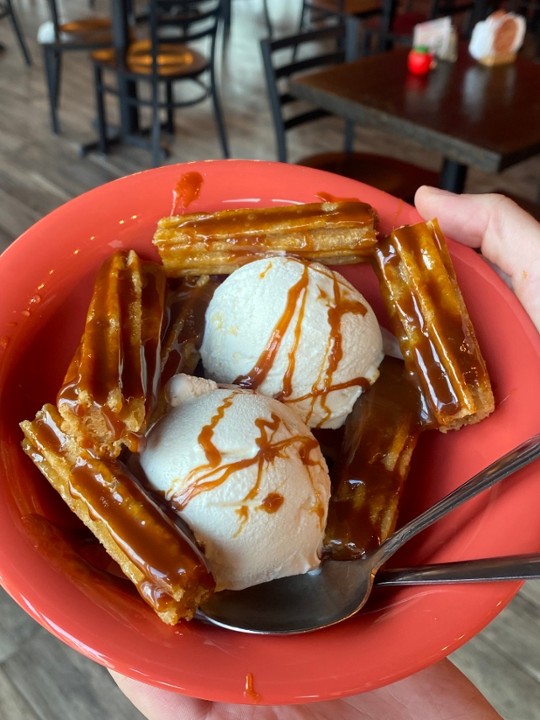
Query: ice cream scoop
[247, 476]
[296, 331]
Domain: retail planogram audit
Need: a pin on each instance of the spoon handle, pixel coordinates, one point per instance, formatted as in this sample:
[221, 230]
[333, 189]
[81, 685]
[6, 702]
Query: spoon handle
[514, 567]
[508, 464]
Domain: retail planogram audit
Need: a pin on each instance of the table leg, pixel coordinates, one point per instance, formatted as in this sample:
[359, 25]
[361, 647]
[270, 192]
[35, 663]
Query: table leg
[121, 14]
[453, 176]
[129, 117]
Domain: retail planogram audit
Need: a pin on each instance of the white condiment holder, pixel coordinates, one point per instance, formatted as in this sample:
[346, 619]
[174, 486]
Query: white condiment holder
[497, 39]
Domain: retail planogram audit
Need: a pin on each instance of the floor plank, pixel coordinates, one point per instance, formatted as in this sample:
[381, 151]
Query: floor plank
[41, 678]
[513, 692]
[12, 703]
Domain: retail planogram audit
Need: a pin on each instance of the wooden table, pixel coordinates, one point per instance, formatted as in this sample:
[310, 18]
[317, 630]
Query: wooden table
[486, 117]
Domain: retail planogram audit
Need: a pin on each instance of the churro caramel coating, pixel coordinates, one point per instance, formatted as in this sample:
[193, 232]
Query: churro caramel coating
[432, 324]
[134, 530]
[373, 464]
[110, 387]
[218, 243]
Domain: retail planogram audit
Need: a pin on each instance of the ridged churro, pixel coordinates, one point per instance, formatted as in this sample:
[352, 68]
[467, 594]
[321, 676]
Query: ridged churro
[134, 530]
[110, 387]
[218, 243]
[432, 324]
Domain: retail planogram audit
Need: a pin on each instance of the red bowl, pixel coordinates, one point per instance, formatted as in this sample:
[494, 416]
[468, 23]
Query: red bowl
[50, 566]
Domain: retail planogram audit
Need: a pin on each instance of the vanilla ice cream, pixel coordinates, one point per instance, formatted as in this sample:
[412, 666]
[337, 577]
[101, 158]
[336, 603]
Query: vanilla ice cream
[247, 476]
[296, 331]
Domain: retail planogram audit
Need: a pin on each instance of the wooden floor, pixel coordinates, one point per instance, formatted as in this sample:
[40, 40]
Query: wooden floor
[40, 678]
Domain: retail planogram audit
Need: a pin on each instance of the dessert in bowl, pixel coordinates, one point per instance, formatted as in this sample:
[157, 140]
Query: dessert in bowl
[71, 588]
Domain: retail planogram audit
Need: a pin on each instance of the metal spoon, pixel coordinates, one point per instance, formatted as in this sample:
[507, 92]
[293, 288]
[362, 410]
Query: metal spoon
[511, 567]
[338, 590]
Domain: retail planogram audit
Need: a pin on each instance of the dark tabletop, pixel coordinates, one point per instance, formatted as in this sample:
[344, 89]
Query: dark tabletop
[488, 117]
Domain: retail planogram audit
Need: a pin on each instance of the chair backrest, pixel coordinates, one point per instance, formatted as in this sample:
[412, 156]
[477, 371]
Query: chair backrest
[183, 21]
[304, 51]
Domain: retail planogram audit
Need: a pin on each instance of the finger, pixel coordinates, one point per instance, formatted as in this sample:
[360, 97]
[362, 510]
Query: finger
[440, 691]
[507, 235]
[454, 213]
[158, 704]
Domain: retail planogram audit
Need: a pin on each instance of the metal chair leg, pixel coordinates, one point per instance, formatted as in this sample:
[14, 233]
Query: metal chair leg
[268, 19]
[227, 14]
[155, 130]
[219, 118]
[349, 136]
[170, 108]
[51, 62]
[19, 33]
[101, 119]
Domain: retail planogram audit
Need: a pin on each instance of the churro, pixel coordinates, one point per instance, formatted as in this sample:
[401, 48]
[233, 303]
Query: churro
[110, 386]
[367, 482]
[134, 530]
[218, 243]
[432, 324]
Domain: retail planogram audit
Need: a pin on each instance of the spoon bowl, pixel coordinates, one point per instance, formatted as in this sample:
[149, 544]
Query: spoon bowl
[339, 589]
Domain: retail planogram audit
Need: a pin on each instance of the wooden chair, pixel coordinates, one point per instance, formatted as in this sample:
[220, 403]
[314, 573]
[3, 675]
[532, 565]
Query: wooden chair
[7, 10]
[310, 51]
[58, 36]
[165, 58]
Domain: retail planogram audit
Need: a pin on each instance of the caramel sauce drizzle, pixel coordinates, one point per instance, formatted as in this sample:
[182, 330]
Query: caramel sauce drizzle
[216, 471]
[272, 502]
[249, 690]
[256, 376]
[295, 307]
[212, 453]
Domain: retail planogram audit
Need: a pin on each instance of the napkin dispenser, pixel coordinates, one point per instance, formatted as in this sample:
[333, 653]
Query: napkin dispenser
[439, 36]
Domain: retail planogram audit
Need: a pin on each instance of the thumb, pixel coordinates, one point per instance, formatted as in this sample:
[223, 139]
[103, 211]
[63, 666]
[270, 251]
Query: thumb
[507, 236]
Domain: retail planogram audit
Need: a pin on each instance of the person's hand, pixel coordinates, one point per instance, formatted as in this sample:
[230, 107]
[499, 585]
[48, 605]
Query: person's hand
[507, 236]
[440, 692]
